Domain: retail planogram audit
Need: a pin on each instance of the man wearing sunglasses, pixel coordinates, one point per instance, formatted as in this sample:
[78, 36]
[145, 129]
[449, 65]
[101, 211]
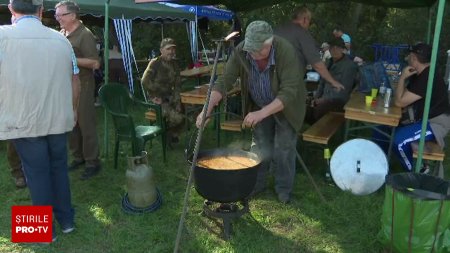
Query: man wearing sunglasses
[83, 139]
[411, 91]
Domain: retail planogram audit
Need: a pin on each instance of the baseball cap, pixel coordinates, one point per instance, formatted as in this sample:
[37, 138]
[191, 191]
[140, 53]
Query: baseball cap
[337, 42]
[324, 45]
[421, 49]
[167, 42]
[256, 33]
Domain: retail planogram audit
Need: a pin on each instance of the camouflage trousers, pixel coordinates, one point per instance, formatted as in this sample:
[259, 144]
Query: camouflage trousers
[175, 119]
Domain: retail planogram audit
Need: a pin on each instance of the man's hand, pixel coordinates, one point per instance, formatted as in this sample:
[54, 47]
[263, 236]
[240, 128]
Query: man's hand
[75, 116]
[318, 101]
[253, 118]
[407, 72]
[198, 121]
[157, 100]
[96, 65]
[337, 86]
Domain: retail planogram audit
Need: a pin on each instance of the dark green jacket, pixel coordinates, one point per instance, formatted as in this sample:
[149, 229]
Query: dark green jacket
[287, 80]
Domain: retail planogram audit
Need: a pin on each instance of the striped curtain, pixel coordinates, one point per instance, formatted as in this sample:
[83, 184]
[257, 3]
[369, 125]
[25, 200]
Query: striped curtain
[193, 40]
[123, 30]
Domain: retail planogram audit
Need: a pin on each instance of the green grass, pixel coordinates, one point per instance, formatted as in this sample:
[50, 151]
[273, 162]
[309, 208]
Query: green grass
[346, 223]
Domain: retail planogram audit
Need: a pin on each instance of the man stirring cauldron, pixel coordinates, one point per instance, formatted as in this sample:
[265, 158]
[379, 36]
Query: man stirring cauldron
[273, 97]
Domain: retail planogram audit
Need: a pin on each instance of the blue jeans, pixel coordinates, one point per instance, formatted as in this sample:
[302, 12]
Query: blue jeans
[277, 140]
[44, 160]
[402, 142]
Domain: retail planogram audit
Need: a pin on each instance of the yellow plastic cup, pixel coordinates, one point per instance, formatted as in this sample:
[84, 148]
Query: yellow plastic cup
[326, 153]
[374, 92]
[369, 100]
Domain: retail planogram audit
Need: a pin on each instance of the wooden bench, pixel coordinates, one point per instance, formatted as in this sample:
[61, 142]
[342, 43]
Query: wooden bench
[232, 125]
[150, 115]
[431, 151]
[321, 131]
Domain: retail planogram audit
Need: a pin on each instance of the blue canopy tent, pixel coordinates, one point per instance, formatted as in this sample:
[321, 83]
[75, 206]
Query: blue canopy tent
[209, 12]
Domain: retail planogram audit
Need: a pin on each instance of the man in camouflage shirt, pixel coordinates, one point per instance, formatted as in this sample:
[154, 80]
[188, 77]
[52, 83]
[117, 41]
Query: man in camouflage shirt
[162, 81]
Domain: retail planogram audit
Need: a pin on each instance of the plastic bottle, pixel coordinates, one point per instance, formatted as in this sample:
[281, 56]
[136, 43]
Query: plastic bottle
[382, 89]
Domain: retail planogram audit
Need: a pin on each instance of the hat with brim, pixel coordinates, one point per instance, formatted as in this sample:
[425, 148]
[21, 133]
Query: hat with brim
[256, 34]
[169, 46]
[167, 43]
[337, 42]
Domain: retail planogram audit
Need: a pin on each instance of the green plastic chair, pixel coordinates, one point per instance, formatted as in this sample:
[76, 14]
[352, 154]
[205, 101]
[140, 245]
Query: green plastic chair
[117, 101]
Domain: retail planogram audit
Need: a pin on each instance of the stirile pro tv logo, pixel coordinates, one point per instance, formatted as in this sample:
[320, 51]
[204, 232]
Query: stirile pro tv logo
[31, 223]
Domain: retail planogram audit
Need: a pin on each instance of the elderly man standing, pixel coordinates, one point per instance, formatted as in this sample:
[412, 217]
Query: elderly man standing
[411, 91]
[297, 33]
[83, 139]
[273, 98]
[37, 67]
[162, 81]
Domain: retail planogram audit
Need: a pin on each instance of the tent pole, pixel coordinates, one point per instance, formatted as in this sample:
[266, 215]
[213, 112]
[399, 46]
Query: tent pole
[106, 71]
[426, 110]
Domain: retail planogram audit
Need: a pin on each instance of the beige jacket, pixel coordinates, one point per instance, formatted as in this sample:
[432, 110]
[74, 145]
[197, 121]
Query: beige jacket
[35, 81]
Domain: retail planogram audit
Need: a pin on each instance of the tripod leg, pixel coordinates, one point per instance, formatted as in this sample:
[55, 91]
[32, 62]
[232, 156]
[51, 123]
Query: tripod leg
[300, 160]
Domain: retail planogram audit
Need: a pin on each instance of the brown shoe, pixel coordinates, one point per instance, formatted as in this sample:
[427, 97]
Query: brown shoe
[20, 182]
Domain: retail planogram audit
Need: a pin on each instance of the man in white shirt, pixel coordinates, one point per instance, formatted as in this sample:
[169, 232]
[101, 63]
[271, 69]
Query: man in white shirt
[37, 68]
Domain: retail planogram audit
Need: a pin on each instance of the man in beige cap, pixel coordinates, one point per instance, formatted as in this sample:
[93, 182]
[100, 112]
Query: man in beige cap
[37, 65]
[162, 81]
[273, 97]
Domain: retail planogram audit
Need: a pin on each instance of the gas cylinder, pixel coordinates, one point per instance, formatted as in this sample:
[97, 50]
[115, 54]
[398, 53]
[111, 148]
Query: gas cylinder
[140, 182]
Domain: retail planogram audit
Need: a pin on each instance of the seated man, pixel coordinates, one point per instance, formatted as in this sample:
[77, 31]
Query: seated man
[327, 98]
[413, 94]
[162, 81]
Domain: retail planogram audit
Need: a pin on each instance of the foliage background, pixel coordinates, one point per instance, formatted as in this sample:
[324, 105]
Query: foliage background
[366, 25]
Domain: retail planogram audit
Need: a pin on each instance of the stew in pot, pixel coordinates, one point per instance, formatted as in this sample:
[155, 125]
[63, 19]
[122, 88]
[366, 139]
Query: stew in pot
[226, 162]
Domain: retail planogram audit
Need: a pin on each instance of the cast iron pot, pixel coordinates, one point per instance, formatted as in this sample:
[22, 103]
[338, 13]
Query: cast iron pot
[225, 186]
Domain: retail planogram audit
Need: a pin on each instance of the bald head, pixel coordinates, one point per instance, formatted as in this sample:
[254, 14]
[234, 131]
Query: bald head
[302, 16]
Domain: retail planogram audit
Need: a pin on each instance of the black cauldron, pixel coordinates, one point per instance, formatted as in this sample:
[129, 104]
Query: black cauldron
[225, 186]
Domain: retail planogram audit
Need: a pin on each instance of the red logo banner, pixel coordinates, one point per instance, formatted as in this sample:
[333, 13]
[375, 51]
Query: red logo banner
[31, 223]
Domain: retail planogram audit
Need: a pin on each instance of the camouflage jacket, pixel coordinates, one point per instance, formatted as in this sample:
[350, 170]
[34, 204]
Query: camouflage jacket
[162, 79]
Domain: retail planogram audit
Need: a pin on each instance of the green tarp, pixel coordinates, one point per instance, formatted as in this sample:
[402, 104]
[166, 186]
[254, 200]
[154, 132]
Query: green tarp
[416, 214]
[126, 8]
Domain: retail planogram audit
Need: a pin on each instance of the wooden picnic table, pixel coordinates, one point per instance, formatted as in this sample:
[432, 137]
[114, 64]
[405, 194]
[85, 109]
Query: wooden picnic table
[197, 97]
[194, 72]
[199, 71]
[371, 116]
